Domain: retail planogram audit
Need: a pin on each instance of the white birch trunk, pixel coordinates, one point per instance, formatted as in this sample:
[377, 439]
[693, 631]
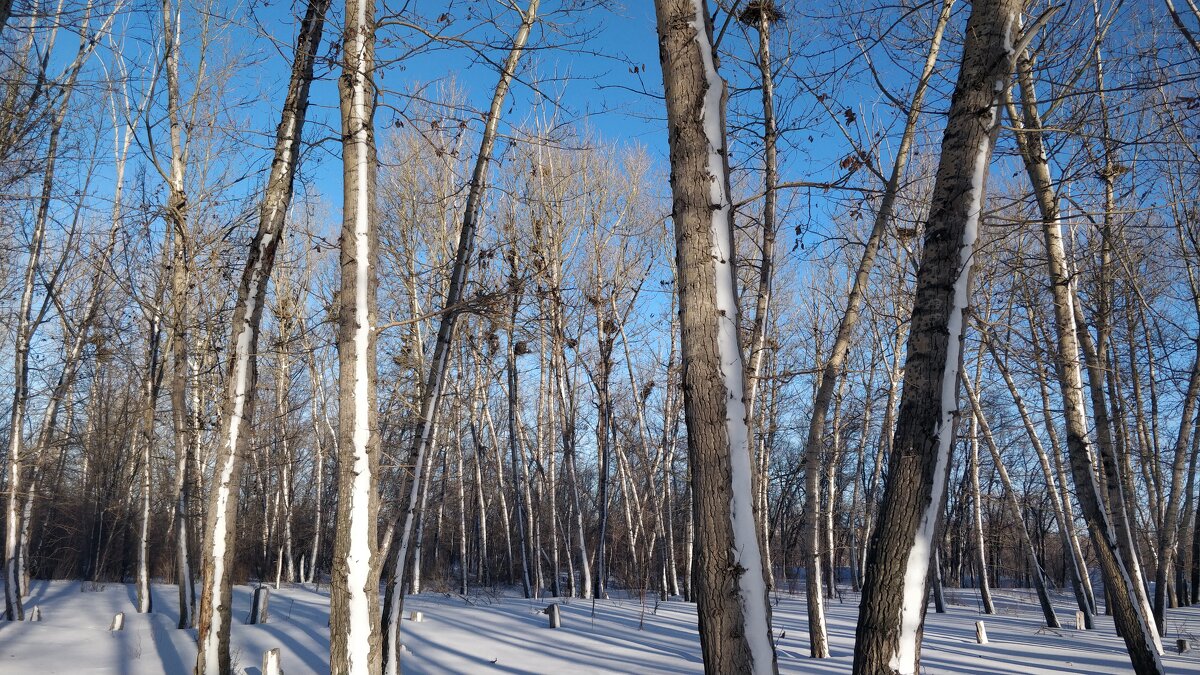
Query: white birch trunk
[355, 644]
[215, 617]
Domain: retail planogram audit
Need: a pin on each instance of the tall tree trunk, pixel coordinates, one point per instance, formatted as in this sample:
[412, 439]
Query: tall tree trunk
[731, 591]
[354, 592]
[1122, 584]
[432, 393]
[216, 599]
[181, 262]
[891, 617]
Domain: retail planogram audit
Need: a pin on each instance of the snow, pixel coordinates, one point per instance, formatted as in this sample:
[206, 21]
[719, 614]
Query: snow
[752, 586]
[916, 569]
[506, 634]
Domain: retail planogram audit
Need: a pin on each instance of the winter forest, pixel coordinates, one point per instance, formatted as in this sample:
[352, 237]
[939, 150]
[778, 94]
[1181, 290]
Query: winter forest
[734, 336]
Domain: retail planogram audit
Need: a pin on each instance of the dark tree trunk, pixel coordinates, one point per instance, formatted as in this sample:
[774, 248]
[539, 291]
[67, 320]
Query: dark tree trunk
[891, 616]
[730, 587]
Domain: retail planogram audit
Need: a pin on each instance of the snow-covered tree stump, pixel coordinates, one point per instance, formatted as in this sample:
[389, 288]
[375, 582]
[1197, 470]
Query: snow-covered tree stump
[1182, 645]
[259, 605]
[1080, 623]
[270, 664]
[980, 633]
[555, 615]
[416, 617]
[35, 614]
[118, 622]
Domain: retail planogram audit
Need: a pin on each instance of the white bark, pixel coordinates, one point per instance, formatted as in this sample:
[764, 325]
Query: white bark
[237, 409]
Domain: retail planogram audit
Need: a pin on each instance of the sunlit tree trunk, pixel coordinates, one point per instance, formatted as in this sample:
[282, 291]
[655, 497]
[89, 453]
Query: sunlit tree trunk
[237, 410]
[730, 588]
[892, 610]
[354, 606]
[1123, 588]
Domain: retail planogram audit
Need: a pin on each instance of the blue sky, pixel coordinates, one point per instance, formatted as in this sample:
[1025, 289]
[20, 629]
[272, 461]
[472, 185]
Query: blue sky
[591, 83]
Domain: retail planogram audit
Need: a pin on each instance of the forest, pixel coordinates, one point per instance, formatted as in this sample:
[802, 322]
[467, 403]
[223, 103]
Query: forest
[734, 336]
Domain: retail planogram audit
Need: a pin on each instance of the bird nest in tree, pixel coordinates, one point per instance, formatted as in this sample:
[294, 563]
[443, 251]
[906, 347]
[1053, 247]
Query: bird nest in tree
[757, 10]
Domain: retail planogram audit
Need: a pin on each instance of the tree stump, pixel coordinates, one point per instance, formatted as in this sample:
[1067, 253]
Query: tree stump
[118, 622]
[416, 617]
[35, 614]
[270, 662]
[1182, 645]
[555, 615]
[1080, 623]
[980, 633]
[259, 605]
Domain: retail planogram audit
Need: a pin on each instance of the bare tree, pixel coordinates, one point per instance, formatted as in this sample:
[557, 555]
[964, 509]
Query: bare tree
[1125, 593]
[891, 617]
[731, 591]
[439, 361]
[238, 405]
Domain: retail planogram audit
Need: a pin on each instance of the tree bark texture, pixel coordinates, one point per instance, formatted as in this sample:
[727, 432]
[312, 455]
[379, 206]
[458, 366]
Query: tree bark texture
[891, 616]
[730, 587]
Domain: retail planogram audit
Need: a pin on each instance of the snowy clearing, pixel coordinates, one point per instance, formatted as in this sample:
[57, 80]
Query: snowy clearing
[505, 634]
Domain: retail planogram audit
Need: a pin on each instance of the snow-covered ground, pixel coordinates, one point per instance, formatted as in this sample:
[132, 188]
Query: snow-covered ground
[503, 634]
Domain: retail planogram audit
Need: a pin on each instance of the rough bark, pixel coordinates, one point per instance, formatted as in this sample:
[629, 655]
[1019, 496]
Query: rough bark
[354, 590]
[891, 614]
[730, 589]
